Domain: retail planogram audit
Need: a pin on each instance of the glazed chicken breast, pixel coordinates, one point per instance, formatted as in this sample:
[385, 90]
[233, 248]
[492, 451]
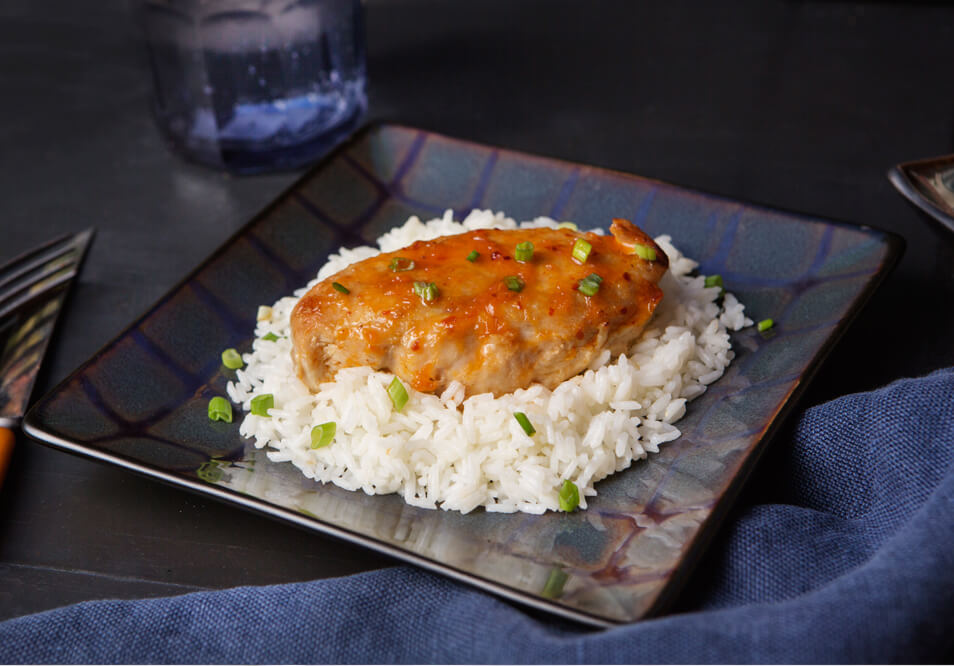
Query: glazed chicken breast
[465, 308]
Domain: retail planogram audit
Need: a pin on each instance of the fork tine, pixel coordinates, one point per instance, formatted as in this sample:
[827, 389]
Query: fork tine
[30, 259]
[40, 270]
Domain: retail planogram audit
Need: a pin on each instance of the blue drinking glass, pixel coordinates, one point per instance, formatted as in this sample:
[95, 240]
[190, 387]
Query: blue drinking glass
[255, 85]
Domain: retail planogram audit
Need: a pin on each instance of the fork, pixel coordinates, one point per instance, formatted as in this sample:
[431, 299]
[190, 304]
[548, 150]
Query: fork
[25, 281]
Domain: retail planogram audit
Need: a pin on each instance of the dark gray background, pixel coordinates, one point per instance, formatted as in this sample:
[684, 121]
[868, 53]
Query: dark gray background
[798, 105]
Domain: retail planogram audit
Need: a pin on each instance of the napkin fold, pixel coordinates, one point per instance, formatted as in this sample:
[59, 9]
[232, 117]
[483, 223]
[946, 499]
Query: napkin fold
[846, 556]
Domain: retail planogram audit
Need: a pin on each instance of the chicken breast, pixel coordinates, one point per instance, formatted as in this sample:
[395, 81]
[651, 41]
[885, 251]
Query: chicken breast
[473, 325]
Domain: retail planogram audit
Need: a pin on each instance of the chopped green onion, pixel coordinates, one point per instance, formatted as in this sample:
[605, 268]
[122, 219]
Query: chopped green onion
[588, 288]
[569, 496]
[524, 423]
[472, 257]
[231, 359]
[590, 284]
[713, 281]
[765, 325]
[581, 250]
[340, 287]
[397, 393]
[567, 225]
[426, 290]
[514, 283]
[322, 435]
[271, 337]
[209, 471]
[220, 409]
[645, 252]
[554, 585]
[401, 264]
[523, 252]
[262, 403]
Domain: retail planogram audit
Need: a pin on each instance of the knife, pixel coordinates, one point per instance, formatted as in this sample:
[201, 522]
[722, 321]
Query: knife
[33, 288]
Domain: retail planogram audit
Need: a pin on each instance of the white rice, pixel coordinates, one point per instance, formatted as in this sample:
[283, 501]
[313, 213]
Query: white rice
[448, 452]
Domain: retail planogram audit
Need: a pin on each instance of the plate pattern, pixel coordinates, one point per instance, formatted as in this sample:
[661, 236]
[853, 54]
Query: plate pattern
[141, 401]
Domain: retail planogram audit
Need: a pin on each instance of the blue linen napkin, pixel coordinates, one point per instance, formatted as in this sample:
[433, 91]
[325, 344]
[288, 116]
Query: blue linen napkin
[851, 560]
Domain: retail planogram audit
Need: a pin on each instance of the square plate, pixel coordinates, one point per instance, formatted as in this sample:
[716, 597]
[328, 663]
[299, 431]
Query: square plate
[141, 402]
[929, 185]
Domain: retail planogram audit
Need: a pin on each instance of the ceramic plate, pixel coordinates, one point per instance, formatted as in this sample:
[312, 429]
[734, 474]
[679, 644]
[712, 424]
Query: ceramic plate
[929, 185]
[141, 402]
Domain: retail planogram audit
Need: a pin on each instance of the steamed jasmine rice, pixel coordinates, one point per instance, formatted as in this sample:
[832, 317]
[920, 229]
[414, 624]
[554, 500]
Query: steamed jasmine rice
[460, 453]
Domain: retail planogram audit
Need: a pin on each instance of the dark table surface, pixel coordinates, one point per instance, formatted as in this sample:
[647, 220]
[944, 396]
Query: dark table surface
[797, 105]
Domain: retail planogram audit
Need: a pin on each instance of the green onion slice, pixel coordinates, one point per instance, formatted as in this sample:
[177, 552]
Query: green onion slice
[340, 287]
[472, 257]
[231, 359]
[524, 423]
[569, 496]
[590, 284]
[713, 281]
[524, 251]
[555, 582]
[220, 409]
[209, 471]
[271, 337]
[645, 252]
[765, 325]
[401, 264]
[262, 403]
[322, 435]
[581, 250]
[397, 393]
[426, 290]
[514, 282]
[567, 225]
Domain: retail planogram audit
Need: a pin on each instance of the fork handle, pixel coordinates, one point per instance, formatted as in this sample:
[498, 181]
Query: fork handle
[7, 440]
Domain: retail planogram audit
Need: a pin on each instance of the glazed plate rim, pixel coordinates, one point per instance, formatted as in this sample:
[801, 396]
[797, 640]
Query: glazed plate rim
[902, 178]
